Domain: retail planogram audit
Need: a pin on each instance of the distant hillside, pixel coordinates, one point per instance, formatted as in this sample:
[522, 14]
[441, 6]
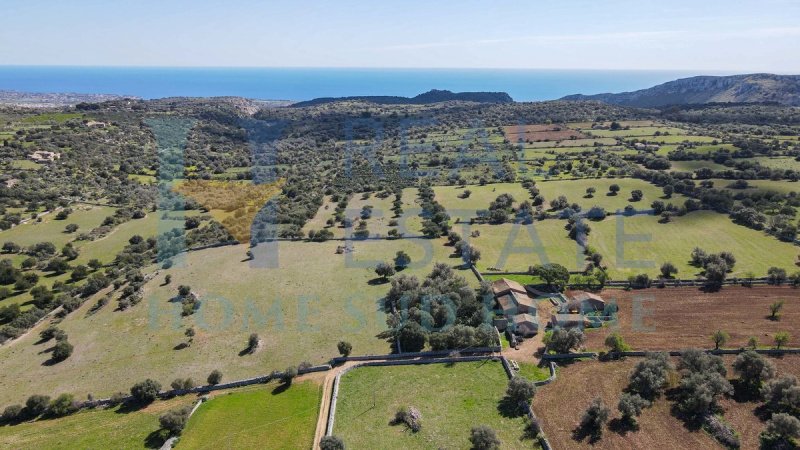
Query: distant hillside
[432, 96]
[752, 88]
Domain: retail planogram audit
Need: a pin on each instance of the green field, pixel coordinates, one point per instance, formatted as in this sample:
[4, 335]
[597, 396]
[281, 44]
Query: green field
[575, 191]
[270, 417]
[301, 309]
[637, 131]
[25, 164]
[52, 230]
[781, 186]
[51, 117]
[754, 250]
[785, 162]
[452, 398]
[116, 428]
[513, 248]
[480, 198]
[691, 166]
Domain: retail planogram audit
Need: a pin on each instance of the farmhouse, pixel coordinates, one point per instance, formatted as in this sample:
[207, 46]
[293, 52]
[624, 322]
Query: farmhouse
[518, 308]
[526, 325]
[568, 320]
[642, 146]
[42, 156]
[585, 302]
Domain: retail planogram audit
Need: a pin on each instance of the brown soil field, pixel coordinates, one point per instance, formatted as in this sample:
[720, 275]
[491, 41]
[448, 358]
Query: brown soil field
[559, 407]
[536, 133]
[677, 318]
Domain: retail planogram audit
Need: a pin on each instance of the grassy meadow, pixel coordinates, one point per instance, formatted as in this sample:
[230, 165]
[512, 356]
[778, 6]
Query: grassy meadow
[452, 398]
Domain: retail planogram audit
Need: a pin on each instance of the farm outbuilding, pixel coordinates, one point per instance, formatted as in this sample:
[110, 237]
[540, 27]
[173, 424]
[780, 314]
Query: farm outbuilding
[526, 325]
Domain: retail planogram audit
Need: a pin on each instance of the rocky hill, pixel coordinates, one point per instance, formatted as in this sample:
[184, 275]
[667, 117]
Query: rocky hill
[751, 88]
[432, 96]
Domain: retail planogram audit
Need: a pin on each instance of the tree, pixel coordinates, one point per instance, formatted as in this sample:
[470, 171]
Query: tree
[289, 375]
[175, 419]
[401, 260]
[35, 406]
[483, 437]
[781, 430]
[636, 195]
[94, 264]
[595, 417]
[553, 274]
[753, 369]
[10, 247]
[79, 272]
[615, 343]
[63, 405]
[631, 406]
[590, 192]
[720, 338]
[668, 191]
[775, 309]
[781, 339]
[252, 342]
[782, 394]
[715, 274]
[214, 377]
[412, 337]
[520, 390]
[776, 275]
[11, 414]
[184, 290]
[71, 228]
[668, 270]
[145, 391]
[384, 270]
[331, 443]
[563, 341]
[62, 350]
[752, 343]
[613, 189]
[344, 348]
[168, 279]
[649, 376]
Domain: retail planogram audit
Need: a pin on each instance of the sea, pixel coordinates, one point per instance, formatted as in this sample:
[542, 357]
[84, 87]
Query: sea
[298, 84]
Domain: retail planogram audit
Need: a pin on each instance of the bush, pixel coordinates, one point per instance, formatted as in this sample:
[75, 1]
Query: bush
[631, 406]
[214, 377]
[344, 348]
[520, 390]
[410, 416]
[62, 351]
[145, 391]
[595, 416]
[483, 437]
[36, 405]
[174, 420]
[563, 341]
[781, 430]
[615, 343]
[753, 369]
[649, 376]
[63, 405]
[11, 414]
[331, 443]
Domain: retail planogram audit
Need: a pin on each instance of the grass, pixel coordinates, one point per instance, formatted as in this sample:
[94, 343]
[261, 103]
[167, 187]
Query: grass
[480, 198]
[533, 372]
[781, 186]
[25, 164]
[786, 162]
[93, 429]
[264, 417]
[691, 166]
[301, 309]
[452, 398]
[52, 230]
[51, 117]
[638, 131]
[575, 191]
[755, 251]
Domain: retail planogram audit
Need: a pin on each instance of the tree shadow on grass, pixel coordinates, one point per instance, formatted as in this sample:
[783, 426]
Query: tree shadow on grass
[156, 439]
[130, 406]
[281, 388]
[377, 281]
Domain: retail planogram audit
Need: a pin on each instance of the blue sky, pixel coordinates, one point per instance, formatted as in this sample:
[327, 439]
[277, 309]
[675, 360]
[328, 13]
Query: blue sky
[707, 35]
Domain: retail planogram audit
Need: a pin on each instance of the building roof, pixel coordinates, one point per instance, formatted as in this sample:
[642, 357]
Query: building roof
[583, 296]
[525, 318]
[504, 285]
[568, 320]
[511, 302]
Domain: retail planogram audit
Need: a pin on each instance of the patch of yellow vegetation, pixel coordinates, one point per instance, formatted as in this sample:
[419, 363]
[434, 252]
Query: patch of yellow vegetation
[232, 203]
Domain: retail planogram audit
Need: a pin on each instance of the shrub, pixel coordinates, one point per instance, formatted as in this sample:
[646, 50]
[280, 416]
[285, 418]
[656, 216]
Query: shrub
[781, 430]
[631, 406]
[562, 341]
[145, 391]
[331, 443]
[289, 375]
[214, 377]
[344, 348]
[410, 416]
[483, 437]
[174, 420]
[520, 390]
[63, 405]
[36, 405]
[615, 343]
[753, 369]
[62, 350]
[11, 414]
[595, 416]
[649, 376]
